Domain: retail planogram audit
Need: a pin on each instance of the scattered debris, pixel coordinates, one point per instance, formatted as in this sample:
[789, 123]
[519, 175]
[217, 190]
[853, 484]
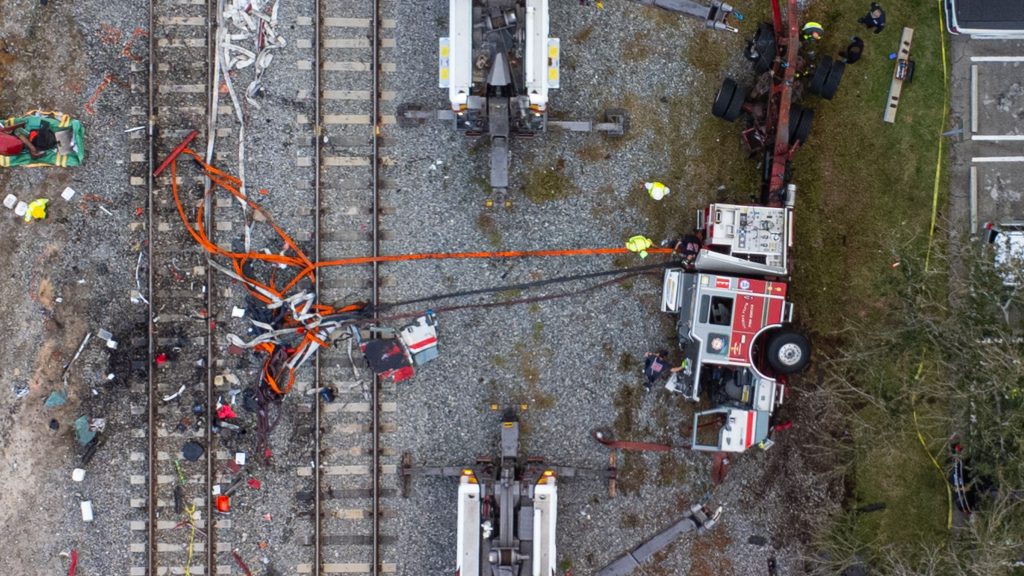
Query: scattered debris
[83, 431]
[87, 510]
[161, 359]
[237, 312]
[20, 390]
[241, 563]
[55, 399]
[21, 208]
[240, 458]
[224, 412]
[108, 337]
[78, 474]
[254, 484]
[36, 209]
[10, 201]
[176, 394]
[54, 424]
[81, 346]
[327, 394]
[67, 194]
[192, 450]
[223, 504]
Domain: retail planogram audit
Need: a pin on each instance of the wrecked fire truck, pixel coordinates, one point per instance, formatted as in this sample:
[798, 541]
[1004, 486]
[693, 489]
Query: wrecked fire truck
[735, 324]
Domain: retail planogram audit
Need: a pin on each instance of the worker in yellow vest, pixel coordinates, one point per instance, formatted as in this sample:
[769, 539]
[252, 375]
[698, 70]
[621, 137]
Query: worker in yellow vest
[36, 210]
[657, 190]
[639, 244]
[813, 31]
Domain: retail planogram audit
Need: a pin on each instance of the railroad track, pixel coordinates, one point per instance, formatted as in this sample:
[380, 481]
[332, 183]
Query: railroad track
[179, 347]
[354, 469]
[352, 475]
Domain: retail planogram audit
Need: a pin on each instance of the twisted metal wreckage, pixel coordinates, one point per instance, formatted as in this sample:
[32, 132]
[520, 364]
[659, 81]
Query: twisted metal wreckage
[293, 325]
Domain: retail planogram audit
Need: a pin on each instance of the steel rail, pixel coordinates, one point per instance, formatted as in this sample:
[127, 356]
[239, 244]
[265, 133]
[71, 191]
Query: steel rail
[374, 183]
[317, 149]
[151, 311]
[213, 11]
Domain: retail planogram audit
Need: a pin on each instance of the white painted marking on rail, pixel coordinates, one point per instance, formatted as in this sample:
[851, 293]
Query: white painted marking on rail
[997, 58]
[137, 525]
[136, 157]
[182, 89]
[181, 43]
[137, 479]
[137, 502]
[304, 64]
[137, 570]
[301, 119]
[138, 547]
[363, 119]
[337, 66]
[998, 159]
[304, 21]
[181, 20]
[303, 43]
[351, 514]
[346, 161]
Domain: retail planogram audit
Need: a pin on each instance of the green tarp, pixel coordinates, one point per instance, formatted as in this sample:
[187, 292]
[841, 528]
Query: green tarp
[70, 149]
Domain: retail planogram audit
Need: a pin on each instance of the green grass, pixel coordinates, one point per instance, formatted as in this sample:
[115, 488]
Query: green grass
[864, 187]
[863, 182]
[548, 183]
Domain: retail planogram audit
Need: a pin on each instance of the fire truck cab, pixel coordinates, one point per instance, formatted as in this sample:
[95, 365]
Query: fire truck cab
[733, 329]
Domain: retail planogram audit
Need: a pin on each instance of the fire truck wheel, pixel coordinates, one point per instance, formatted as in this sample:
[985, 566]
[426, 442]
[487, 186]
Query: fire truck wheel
[788, 352]
[828, 90]
[800, 121]
[820, 75]
[735, 109]
[724, 98]
[761, 49]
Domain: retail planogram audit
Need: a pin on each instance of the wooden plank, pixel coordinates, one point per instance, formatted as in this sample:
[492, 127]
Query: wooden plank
[896, 86]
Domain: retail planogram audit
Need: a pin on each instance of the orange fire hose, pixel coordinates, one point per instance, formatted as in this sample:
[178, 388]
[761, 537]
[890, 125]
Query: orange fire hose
[297, 260]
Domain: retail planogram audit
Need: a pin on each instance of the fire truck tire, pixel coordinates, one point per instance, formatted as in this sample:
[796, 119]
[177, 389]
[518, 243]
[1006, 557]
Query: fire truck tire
[800, 125]
[723, 98]
[788, 352]
[761, 49]
[735, 109]
[820, 75]
[828, 90]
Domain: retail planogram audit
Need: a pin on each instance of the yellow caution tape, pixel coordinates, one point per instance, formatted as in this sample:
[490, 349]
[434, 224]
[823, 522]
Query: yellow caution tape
[927, 259]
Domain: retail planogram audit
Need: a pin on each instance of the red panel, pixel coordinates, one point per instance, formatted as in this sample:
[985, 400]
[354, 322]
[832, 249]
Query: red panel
[750, 430]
